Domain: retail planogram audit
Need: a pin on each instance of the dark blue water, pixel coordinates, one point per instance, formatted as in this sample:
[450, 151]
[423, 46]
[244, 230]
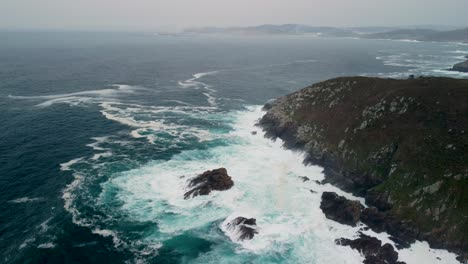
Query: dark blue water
[117, 104]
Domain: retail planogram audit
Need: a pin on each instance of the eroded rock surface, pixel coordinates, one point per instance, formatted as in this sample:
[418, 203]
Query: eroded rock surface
[244, 228]
[372, 249]
[213, 180]
[340, 209]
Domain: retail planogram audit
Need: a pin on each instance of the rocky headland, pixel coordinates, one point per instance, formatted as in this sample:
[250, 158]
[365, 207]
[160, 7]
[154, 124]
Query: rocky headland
[461, 67]
[401, 144]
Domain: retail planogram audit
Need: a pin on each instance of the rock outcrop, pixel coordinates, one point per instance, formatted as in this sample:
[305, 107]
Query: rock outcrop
[401, 144]
[348, 212]
[340, 209]
[213, 180]
[372, 249]
[460, 67]
[403, 234]
[244, 228]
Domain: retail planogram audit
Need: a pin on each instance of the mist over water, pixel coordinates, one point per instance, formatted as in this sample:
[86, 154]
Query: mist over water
[108, 133]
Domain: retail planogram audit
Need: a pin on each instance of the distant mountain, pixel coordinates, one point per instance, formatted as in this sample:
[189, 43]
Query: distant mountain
[459, 35]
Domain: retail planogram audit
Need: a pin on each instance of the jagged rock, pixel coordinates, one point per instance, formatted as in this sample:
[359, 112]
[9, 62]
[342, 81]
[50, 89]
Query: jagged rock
[403, 234]
[340, 209]
[464, 257]
[253, 133]
[214, 180]
[304, 178]
[378, 199]
[246, 228]
[371, 248]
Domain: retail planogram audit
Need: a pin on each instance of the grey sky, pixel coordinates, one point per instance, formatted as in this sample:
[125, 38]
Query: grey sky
[177, 14]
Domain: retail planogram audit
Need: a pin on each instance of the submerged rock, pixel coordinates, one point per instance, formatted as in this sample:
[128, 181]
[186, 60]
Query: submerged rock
[213, 180]
[304, 178]
[243, 228]
[372, 249]
[340, 209]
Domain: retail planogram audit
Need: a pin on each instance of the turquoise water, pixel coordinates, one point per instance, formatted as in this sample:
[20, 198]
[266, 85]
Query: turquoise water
[102, 131]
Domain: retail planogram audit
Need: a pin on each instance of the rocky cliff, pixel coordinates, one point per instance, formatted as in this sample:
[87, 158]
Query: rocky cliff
[402, 144]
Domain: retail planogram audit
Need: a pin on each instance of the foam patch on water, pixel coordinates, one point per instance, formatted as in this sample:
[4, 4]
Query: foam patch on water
[423, 61]
[160, 123]
[26, 200]
[66, 166]
[267, 187]
[77, 98]
[46, 245]
[195, 83]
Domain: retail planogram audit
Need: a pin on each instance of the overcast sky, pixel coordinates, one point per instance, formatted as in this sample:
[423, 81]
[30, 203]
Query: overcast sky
[178, 14]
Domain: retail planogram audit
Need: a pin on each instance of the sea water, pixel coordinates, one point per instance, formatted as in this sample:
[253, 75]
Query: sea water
[101, 131]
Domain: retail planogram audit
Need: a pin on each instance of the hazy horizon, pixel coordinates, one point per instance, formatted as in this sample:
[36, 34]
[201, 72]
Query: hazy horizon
[147, 15]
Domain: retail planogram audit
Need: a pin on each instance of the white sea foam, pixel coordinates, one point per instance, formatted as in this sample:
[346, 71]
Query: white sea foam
[69, 195]
[108, 233]
[195, 83]
[27, 242]
[46, 245]
[192, 82]
[97, 142]
[77, 98]
[101, 155]
[44, 226]
[458, 51]
[26, 200]
[420, 63]
[149, 127]
[66, 166]
[267, 187]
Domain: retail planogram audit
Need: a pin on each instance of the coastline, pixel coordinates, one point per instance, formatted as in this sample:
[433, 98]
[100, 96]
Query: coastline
[279, 123]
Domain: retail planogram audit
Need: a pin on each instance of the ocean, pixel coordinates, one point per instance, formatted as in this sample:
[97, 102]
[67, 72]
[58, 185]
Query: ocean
[101, 131]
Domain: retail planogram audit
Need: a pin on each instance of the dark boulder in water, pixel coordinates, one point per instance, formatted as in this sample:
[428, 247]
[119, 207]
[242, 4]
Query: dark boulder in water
[213, 180]
[244, 227]
[340, 209]
[372, 249]
[304, 178]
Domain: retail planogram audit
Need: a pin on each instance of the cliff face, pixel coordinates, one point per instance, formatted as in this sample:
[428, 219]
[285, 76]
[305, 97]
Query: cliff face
[400, 143]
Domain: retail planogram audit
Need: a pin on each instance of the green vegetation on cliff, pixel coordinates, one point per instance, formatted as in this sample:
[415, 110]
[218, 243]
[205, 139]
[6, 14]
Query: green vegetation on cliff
[401, 143]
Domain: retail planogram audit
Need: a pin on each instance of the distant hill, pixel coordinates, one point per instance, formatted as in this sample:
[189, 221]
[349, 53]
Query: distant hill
[431, 33]
[268, 29]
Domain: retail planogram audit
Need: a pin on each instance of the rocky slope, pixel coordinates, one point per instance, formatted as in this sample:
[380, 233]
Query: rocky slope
[400, 143]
